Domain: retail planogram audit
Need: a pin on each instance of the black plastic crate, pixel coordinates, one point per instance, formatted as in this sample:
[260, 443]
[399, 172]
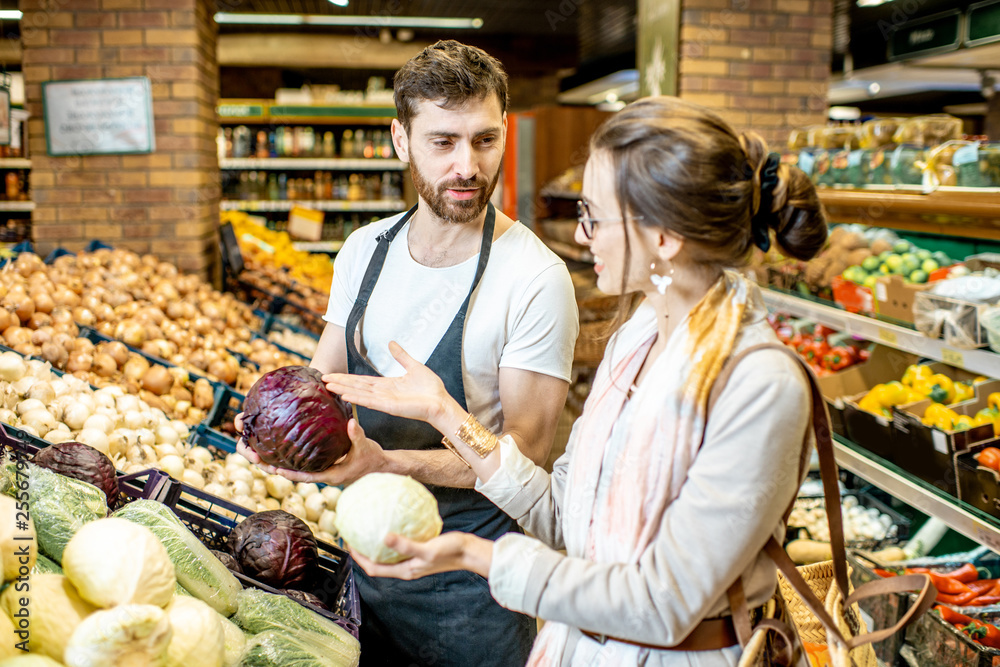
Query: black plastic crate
[978, 486]
[212, 519]
[897, 532]
[274, 323]
[218, 427]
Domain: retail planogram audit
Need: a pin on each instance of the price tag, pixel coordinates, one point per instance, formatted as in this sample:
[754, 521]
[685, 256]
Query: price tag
[953, 357]
[940, 441]
[886, 336]
[988, 537]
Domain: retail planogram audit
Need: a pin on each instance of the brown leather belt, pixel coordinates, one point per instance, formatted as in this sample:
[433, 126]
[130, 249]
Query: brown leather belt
[710, 635]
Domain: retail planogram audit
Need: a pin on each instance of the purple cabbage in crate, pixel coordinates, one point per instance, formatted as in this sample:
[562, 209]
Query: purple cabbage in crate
[292, 421]
[82, 462]
[275, 548]
[228, 560]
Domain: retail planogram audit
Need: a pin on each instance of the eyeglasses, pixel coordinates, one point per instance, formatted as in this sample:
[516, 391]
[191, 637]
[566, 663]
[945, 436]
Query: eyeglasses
[588, 222]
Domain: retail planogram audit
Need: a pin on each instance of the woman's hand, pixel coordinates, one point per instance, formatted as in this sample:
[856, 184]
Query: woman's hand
[445, 553]
[419, 394]
[365, 456]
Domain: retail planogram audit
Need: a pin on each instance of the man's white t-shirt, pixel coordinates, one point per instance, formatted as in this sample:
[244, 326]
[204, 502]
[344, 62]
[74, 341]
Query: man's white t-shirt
[523, 314]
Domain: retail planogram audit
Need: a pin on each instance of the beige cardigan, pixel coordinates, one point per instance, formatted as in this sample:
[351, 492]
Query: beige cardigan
[733, 500]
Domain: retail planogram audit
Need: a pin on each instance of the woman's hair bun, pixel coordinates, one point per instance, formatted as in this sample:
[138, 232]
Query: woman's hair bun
[796, 215]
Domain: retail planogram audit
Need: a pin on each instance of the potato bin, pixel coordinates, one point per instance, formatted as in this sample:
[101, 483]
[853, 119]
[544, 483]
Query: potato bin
[928, 451]
[884, 364]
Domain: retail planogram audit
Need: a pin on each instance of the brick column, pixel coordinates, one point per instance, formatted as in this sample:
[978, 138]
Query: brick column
[165, 202]
[763, 64]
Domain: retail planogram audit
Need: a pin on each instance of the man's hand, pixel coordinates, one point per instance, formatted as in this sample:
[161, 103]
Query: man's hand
[445, 553]
[419, 394]
[365, 456]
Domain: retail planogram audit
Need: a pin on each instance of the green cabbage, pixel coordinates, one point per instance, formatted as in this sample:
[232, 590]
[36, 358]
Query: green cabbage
[45, 565]
[60, 505]
[197, 569]
[261, 612]
[303, 649]
[234, 642]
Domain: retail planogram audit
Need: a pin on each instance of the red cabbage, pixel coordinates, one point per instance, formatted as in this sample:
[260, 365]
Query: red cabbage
[305, 597]
[292, 421]
[275, 548]
[82, 462]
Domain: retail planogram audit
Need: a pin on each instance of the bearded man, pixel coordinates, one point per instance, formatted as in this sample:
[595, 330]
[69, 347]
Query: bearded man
[477, 298]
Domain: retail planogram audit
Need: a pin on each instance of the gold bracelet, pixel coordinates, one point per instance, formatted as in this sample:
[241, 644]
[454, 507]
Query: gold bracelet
[447, 443]
[477, 437]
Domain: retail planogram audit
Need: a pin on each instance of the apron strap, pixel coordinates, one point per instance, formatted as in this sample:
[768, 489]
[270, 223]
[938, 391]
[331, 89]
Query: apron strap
[371, 277]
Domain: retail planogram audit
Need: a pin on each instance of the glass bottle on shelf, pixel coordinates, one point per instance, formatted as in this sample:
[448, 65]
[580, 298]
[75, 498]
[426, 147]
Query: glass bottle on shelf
[327, 186]
[386, 193]
[13, 184]
[293, 189]
[241, 141]
[271, 148]
[370, 143]
[220, 144]
[309, 189]
[282, 187]
[243, 187]
[228, 134]
[252, 190]
[262, 150]
[329, 150]
[355, 190]
[347, 144]
[272, 188]
[385, 150]
[306, 140]
[359, 143]
[318, 185]
[287, 142]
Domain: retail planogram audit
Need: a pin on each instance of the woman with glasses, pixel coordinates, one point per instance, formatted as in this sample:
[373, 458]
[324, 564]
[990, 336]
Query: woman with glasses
[659, 506]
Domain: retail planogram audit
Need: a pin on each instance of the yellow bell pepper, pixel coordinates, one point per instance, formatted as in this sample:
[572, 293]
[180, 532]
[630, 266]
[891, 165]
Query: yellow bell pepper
[942, 389]
[871, 404]
[963, 392]
[937, 414]
[982, 417]
[993, 400]
[962, 423]
[912, 396]
[916, 372]
[979, 379]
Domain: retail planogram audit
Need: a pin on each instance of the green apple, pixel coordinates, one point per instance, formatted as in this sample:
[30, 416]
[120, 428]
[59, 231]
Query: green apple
[900, 247]
[910, 263]
[895, 264]
[941, 258]
[923, 254]
[870, 264]
[919, 276]
[870, 281]
[855, 274]
[930, 265]
[882, 257]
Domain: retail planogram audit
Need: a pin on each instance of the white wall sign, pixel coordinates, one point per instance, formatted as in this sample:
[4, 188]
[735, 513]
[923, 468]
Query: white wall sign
[98, 116]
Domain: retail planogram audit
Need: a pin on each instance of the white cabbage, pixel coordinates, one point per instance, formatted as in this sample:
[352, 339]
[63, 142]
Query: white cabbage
[383, 503]
[52, 611]
[234, 642]
[129, 635]
[113, 561]
[197, 634]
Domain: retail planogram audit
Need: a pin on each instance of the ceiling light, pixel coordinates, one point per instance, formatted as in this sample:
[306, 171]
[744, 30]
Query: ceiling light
[869, 3]
[246, 18]
[10, 15]
[339, 3]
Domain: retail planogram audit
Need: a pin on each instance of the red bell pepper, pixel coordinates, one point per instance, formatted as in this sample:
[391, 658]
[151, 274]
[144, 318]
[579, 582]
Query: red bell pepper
[986, 634]
[959, 600]
[885, 574]
[838, 358]
[982, 587]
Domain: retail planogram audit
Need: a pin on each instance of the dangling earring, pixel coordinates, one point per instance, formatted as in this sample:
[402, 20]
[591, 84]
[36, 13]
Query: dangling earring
[661, 282]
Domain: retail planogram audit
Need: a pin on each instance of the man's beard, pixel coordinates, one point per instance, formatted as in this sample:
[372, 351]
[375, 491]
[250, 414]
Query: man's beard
[459, 211]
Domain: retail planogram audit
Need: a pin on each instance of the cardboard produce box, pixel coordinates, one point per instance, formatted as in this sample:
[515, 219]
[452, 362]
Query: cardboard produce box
[894, 297]
[978, 486]
[929, 452]
[843, 390]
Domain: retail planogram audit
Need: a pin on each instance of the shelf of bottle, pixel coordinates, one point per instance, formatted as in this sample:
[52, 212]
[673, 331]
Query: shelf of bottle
[17, 206]
[317, 204]
[982, 361]
[15, 163]
[928, 499]
[318, 246]
[312, 164]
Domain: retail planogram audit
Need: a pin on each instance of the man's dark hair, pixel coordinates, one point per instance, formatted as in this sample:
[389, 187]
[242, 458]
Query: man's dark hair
[450, 74]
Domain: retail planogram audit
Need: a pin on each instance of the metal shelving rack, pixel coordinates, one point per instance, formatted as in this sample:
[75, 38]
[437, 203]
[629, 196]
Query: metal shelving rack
[394, 205]
[960, 517]
[312, 164]
[982, 362]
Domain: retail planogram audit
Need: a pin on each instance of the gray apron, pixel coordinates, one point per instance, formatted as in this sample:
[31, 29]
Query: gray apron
[451, 618]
